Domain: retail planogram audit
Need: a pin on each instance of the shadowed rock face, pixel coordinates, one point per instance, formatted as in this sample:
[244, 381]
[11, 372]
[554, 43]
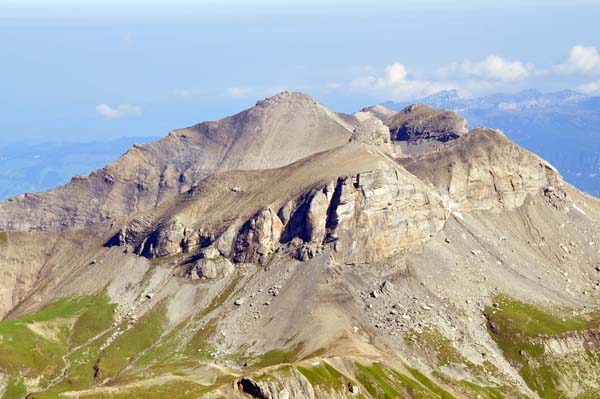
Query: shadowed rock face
[419, 122]
[362, 217]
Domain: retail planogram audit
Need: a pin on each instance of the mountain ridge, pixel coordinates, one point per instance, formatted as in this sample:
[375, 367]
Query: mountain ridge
[465, 267]
[560, 126]
[148, 174]
[43, 166]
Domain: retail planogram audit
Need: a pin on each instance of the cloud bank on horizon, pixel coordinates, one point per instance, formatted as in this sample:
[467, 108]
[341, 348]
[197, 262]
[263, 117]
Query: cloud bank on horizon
[492, 73]
[108, 112]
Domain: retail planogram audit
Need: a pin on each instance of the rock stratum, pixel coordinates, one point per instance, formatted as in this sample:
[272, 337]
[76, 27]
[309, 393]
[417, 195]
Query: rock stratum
[292, 252]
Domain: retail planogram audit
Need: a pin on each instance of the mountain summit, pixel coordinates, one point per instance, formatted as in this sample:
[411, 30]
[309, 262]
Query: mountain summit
[277, 131]
[563, 126]
[292, 252]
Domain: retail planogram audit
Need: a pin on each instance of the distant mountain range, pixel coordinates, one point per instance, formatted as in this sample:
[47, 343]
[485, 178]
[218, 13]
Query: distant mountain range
[563, 127]
[29, 168]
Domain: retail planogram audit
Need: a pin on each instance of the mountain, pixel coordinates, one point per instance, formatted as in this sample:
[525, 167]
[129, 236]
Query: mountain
[376, 111]
[151, 173]
[306, 254]
[40, 167]
[563, 127]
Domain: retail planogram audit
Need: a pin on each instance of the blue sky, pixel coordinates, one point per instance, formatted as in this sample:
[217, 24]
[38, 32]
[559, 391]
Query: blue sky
[87, 70]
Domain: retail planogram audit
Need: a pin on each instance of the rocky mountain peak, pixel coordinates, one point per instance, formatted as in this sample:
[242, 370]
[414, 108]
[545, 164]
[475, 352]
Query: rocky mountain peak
[445, 95]
[293, 97]
[375, 111]
[371, 131]
[302, 103]
[276, 132]
[419, 122]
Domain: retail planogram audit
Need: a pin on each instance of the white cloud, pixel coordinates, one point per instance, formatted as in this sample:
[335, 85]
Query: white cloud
[447, 71]
[238, 91]
[331, 85]
[121, 111]
[491, 68]
[468, 77]
[396, 73]
[591, 88]
[496, 68]
[396, 85]
[582, 59]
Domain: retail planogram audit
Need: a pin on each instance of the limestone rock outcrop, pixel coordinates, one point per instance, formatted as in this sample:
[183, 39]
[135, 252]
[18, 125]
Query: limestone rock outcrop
[370, 215]
[371, 131]
[419, 122]
[211, 268]
[167, 240]
[258, 237]
[484, 170]
[288, 385]
[381, 213]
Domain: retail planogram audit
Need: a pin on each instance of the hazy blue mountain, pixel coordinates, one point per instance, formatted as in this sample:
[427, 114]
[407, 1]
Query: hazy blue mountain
[562, 127]
[28, 168]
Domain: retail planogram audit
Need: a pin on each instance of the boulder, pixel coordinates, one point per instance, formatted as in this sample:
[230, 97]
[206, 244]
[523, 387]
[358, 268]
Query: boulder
[371, 131]
[211, 268]
[165, 241]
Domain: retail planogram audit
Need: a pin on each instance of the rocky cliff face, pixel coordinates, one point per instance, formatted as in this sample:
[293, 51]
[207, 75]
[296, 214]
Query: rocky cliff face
[484, 170]
[370, 215]
[381, 213]
[291, 383]
[367, 216]
[258, 238]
